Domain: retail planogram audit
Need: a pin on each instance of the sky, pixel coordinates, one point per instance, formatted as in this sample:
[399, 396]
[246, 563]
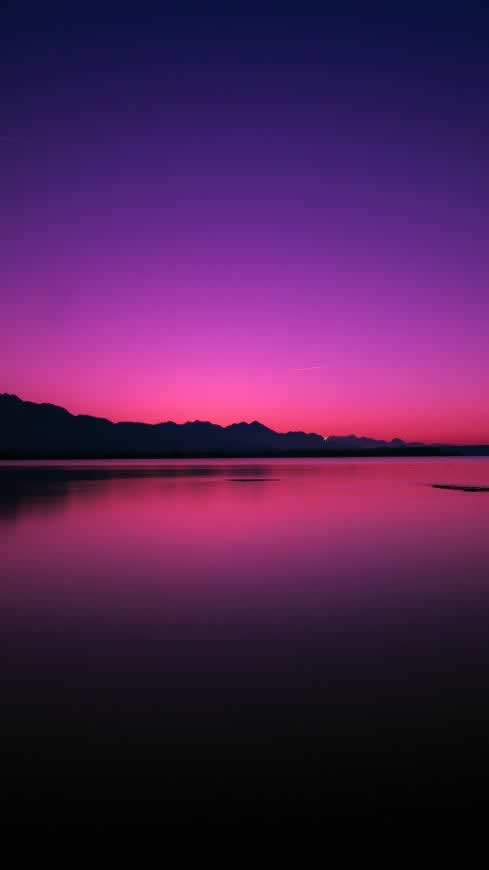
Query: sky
[240, 211]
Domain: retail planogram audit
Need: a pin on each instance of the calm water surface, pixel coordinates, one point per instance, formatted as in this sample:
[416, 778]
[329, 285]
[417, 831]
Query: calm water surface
[243, 639]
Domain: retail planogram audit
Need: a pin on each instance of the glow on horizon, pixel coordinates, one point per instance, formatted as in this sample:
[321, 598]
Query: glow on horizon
[289, 227]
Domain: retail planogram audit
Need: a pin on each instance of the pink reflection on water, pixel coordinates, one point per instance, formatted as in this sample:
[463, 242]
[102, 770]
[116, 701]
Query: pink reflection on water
[326, 629]
[155, 537]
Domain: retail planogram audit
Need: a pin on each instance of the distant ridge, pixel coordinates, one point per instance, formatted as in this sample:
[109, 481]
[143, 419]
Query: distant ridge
[33, 430]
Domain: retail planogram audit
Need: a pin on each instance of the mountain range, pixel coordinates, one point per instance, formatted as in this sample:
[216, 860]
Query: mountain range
[42, 430]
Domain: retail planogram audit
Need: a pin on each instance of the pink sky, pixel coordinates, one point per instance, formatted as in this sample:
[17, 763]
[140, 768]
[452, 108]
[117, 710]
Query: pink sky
[290, 226]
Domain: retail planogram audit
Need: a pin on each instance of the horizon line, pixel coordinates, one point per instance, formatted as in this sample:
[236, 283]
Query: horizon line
[250, 423]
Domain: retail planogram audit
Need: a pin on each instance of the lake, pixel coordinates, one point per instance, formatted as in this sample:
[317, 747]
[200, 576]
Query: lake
[243, 639]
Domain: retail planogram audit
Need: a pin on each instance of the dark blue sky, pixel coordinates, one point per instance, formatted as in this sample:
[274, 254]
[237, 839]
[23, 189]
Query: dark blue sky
[212, 197]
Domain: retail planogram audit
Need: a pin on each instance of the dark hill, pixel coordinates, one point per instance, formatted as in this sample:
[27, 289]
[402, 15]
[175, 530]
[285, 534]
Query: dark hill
[29, 429]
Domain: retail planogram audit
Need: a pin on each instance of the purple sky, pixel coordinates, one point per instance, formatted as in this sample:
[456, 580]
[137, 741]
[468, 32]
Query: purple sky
[237, 215]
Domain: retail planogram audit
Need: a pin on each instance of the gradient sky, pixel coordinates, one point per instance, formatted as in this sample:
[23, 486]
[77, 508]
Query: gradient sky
[233, 211]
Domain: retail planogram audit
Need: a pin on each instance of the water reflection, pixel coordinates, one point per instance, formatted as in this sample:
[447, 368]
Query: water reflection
[313, 646]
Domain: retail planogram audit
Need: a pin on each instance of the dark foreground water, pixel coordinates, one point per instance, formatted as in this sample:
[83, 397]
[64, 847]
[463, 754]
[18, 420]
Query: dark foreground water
[243, 639]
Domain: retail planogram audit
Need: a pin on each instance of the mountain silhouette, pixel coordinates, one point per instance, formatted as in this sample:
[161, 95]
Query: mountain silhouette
[354, 442]
[49, 430]
[30, 429]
